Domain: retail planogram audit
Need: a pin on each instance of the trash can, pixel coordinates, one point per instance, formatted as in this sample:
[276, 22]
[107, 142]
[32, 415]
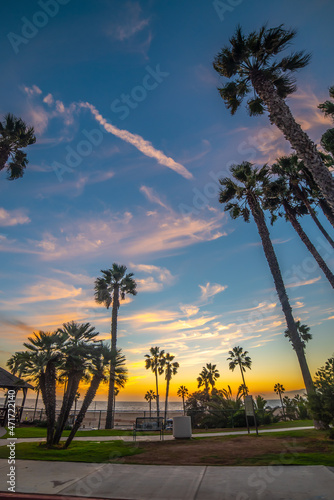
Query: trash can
[182, 427]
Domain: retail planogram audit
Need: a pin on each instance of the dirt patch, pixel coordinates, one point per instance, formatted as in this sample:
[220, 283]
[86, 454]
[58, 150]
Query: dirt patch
[220, 451]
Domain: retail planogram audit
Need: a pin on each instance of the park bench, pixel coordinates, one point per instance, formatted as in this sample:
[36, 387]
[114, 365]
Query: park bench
[144, 424]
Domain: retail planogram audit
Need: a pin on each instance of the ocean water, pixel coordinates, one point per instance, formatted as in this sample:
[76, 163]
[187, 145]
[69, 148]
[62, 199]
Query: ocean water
[122, 406]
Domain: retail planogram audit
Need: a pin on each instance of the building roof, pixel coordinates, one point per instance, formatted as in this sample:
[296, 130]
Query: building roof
[10, 381]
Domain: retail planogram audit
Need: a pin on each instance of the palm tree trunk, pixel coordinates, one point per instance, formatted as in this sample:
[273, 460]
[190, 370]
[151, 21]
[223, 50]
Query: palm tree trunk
[50, 393]
[110, 413]
[150, 403]
[280, 289]
[184, 406]
[157, 391]
[90, 395]
[303, 197]
[307, 242]
[281, 116]
[166, 401]
[243, 378]
[327, 211]
[36, 402]
[280, 396]
[72, 388]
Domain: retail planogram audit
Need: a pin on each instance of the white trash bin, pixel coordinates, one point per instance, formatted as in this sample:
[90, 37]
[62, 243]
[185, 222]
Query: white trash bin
[182, 427]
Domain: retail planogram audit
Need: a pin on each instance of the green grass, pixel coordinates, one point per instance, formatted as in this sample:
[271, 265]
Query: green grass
[40, 432]
[78, 451]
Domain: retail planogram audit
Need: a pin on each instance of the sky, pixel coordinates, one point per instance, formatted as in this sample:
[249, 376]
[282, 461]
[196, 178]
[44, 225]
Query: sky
[132, 137]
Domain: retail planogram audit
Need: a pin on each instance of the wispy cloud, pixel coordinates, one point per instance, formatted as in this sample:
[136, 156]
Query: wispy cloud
[13, 217]
[303, 283]
[160, 277]
[153, 197]
[138, 142]
[210, 290]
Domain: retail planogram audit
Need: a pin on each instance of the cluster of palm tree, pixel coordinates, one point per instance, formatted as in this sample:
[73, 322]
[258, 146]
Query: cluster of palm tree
[160, 363]
[209, 374]
[70, 355]
[294, 185]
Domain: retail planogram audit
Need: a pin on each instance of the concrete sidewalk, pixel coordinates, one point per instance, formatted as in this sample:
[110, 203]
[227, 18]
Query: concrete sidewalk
[141, 482]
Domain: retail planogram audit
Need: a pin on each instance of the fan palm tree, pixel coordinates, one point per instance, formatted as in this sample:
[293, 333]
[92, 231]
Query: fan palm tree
[277, 195]
[170, 370]
[183, 393]
[100, 371]
[251, 63]
[149, 396]
[247, 192]
[155, 361]
[14, 135]
[203, 380]
[112, 287]
[279, 389]
[304, 333]
[213, 374]
[45, 354]
[291, 169]
[76, 351]
[239, 357]
[327, 139]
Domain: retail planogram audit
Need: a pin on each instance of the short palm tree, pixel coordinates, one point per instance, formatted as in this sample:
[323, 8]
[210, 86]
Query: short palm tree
[279, 389]
[76, 351]
[111, 288]
[183, 393]
[213, 374]
[14, 135]
[155, 361]
[243, 198]
[150, 396]
[170, 370]
[45, 355]
[239, 357]
[100, 371]
[251, 63]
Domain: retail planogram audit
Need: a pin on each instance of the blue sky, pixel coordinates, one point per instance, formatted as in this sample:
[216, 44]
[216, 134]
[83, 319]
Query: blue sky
[131, 139]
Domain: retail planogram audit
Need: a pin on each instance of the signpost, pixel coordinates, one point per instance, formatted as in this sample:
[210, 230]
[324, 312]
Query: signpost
[250, 411]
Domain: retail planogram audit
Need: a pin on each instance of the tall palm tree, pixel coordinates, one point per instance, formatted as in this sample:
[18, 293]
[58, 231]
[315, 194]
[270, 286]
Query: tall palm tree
[277, 195]
[112, 287]
[247, 192]
[46, 352]
[155, 361]
[14, 135]
[239, 357]
[100, 371]
[149, 396]
[76, 351]
[292, 170]
[251, 63]
[170, 370]
[279, 389]
[183, 393]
